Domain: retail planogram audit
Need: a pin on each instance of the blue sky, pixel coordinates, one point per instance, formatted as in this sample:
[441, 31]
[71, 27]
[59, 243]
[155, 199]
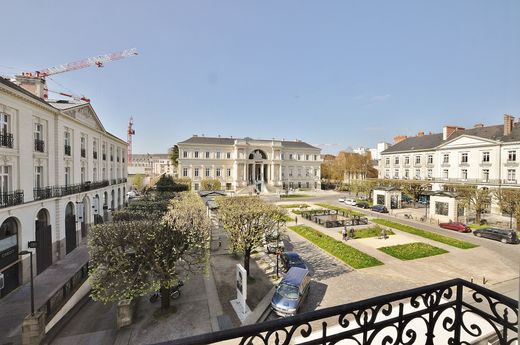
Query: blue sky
[348, 73]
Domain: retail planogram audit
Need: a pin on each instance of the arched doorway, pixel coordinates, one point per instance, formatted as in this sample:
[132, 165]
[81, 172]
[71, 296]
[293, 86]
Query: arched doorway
[85, 219]
[9, 254]
[70, 228]
[43, 236]
[257, 171]
[112, 200]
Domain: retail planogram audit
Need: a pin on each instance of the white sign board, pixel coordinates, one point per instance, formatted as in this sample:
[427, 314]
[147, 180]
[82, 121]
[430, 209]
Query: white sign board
[95, 205]
[79, 212]
[241, 282]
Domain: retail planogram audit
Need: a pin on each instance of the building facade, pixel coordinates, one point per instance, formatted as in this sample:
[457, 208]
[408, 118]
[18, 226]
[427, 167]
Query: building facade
[249, 165]
[151, 164]
[60, 171]
[485, 156]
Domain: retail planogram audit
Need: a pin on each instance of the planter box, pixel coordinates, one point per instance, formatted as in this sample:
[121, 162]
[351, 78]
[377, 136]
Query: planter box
[33, 329]
[125, 313]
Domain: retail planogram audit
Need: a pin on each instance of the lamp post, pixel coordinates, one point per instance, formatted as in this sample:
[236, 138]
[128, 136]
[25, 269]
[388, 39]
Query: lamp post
[25, 252]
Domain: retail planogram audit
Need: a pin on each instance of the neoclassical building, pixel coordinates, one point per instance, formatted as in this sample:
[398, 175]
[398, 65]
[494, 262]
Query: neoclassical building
[60, 171]
[248, 165]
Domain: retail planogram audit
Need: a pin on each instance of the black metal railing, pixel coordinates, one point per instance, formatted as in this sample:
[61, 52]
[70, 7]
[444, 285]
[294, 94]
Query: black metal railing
[94, 155]
[83, 153]
[67, 149]
[59, 191]
[113, 181]
[64, 293]
[455, 310]
[11, 198]
[39, 145]
[6, 139]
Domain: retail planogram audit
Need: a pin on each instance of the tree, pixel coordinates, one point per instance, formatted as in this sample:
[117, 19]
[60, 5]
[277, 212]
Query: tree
[509, 202]
[138, 182]
[173, 154]
[414, 189]
[210, 184]
[134, 258]
[248, 220]
[472, 197]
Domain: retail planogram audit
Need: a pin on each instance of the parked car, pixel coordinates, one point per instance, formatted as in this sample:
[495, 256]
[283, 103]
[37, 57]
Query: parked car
[502, 235]
[457, 226]
[341, 199]
[379, 208]
[291, 259]
[351, 202]
[131, 194]
[363, 204]
[291, 292]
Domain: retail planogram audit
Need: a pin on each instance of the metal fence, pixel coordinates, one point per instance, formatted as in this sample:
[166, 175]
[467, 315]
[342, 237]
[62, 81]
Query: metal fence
[11, 198]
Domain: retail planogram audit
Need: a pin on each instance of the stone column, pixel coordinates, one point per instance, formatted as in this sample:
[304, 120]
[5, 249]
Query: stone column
[262, 172]
[245, 172]
[33, 329]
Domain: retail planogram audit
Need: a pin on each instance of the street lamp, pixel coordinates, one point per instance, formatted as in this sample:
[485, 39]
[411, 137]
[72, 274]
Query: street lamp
[25, 252]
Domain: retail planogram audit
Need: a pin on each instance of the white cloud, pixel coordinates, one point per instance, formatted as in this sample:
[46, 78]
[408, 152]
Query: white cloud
[380, 98]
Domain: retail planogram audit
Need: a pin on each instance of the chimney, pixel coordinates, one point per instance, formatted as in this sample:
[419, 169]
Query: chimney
[34, 85]
[478, 125]
[508, 124]
[420, 134]
[399, 138]
[447, 131]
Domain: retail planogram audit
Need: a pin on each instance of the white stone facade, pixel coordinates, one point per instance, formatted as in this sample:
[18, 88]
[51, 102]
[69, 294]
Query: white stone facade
[261, 165]
[151, 164]
[58, 169]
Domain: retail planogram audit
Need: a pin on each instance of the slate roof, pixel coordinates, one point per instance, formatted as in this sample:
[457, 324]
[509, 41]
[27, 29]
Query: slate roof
[231, 141]
[431, 141]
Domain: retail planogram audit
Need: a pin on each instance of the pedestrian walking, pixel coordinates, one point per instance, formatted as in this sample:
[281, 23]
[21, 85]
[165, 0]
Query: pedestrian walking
[352, 233]
[383, 234]
[344, 233]
[296, 220]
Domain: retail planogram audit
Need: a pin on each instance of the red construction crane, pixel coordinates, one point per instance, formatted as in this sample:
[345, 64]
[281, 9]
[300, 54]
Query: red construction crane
[75, 97]
[129, 139]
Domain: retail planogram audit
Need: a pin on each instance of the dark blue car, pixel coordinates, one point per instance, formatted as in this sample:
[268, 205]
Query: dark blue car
[379, 208]
[292, 259]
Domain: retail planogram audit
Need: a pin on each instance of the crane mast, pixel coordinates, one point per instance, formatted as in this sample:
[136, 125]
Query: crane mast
[130, 132]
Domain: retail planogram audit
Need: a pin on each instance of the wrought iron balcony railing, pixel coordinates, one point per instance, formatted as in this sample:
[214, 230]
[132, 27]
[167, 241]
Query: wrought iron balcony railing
[6, 139]
[451, 312]
[39, 145]
[59, 191]
[83, 153]
[11, 198]
[67, 150]
[94, 155]
[113, 181]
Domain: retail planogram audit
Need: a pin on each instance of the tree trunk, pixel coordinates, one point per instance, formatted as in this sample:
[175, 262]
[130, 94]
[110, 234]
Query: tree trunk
[165, 298]
[247, 255]
[517, 223]
[477, 217]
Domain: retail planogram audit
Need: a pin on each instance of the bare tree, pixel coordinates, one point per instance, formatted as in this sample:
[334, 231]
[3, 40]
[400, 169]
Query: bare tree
[509, 202]
[248, 220]
[472, 197]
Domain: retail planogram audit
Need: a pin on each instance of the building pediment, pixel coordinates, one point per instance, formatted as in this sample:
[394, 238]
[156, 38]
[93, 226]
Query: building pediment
[466, 141]
[85, 114]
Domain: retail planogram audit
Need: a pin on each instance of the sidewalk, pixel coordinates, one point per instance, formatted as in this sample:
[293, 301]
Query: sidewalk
[17, 305]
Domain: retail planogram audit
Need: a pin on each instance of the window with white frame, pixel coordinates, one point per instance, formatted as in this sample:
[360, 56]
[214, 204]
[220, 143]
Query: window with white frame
[5, 179]
[94, 148]
[67, 143]
[446, 158]
[387, 173]
[208, 172]
[38, 177]
[290, 155]
[218, 172]
[306, 157]
[396, 173]
[396, 160]
[315, 157]
[94, 174]
[4, 123]
[464, 157]
[67, 176]
[290, 172]
[464, 174]
[407, 160]
[429, 173]
[184, 172]
[430, 159]
[299, 172]
[445, 174]
[485, 175]
[299, 156]
[417, 173]
[387, 161]
[82, 175]
[417, 159]
[406, 173]
[184, 154]
[207, 154]
[196, 172]
[104, 174]
[228, 155]
[485, 157]
[511, 156]
[228, 172]
[196, 154]
[511, 175]
[316, 172]
[83, 146]
[218, 155]
[38, 137]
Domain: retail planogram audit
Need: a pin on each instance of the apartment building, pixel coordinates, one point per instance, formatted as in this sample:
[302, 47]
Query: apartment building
[151, 164]
[60, 171]
[245, 164]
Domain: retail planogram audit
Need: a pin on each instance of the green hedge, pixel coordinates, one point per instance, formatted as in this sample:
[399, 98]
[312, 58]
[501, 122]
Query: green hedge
[426, 234]
[411, 251]
[345, 253]
[339, 208]
[293, 196]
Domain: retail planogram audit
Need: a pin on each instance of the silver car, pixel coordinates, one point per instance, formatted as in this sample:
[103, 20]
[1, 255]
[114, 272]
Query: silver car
[291, 292]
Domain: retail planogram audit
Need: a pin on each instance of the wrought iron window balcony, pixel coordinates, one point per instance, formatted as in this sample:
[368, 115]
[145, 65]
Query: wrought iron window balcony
[99, 184]
[67, 150]
[113, 181]
[6, 139]
[59, 191]
[456, 311]
[94, 155]
[11, 198]
[46, 193]
[39, 145]
[83, 153]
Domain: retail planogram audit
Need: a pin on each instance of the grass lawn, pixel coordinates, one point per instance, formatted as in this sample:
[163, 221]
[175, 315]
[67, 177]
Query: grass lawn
[345, 253]
[477, 226]
[286, 218]
[426, 234]
[294, 205]
[338, 208]
[292, 196]
[373, 231]
[411, 251]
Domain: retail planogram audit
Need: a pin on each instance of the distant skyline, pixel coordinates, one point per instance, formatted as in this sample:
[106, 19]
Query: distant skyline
[336, 74]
